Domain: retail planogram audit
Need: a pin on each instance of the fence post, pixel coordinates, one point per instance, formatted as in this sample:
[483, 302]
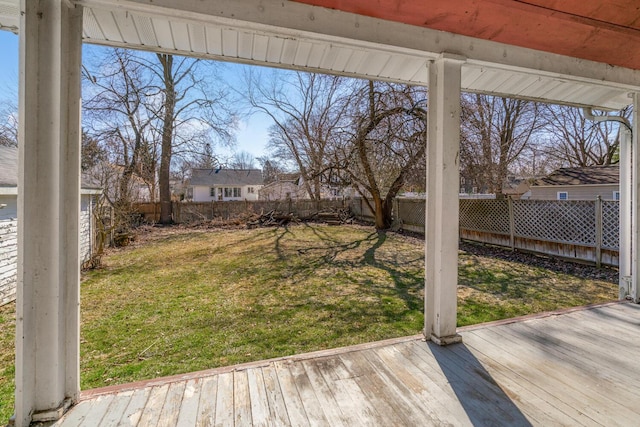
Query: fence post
[598, 231]
[512, 228]
[396, 208]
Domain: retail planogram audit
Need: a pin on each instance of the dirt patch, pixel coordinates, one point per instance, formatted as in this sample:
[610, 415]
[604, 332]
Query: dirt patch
[585, 271]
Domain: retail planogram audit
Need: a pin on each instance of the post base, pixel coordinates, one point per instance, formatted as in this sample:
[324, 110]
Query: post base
[51, 414]
[450, 339]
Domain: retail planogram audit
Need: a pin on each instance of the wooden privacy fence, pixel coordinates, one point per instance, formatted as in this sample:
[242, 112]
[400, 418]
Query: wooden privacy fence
[582, 230]
[191, 212]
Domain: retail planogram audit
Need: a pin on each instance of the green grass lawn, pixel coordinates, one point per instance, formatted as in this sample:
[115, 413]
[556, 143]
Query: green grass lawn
[184, 300]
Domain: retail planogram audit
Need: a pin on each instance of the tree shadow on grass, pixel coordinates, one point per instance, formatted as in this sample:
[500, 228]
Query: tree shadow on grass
[404, 282]
[407, 283]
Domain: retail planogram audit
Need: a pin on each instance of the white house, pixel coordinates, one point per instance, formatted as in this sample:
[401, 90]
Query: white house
[286, 186]
[291, 186]
[207, 185]
[9, 222]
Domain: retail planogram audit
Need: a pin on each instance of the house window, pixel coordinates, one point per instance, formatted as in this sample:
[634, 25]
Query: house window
[563, 195]
[232, 192]
[212, 192]
[250, 190]
[616, 195]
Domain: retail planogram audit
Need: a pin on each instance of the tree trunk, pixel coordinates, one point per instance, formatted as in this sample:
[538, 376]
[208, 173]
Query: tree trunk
[167, 138]
[383, 213]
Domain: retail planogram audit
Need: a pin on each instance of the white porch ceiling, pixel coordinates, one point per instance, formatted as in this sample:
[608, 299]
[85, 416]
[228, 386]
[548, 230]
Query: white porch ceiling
[129, 24]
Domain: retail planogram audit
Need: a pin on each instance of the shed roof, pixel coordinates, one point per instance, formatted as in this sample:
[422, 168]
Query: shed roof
[9, 170]
[211, 177]
[592, 175]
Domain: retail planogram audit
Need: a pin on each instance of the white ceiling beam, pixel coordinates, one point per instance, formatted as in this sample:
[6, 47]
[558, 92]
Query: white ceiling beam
[315, 23]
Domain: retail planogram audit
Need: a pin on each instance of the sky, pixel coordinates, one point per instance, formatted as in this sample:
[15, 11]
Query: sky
[252, 134]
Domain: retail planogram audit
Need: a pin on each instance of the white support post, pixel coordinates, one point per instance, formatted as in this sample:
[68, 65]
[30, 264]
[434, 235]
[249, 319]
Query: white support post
[635, 198]
[624, 249]
[443, 181]
[48, 294]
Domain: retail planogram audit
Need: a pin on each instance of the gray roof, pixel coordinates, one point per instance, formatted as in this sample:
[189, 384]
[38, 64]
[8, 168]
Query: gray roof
[8, 166]
[212, 177]
[591, 175]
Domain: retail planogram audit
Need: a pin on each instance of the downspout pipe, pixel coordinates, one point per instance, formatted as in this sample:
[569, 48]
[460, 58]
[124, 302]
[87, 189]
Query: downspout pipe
[588, 114]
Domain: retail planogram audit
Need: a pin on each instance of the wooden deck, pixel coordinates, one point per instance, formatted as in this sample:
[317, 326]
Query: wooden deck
[577, 368]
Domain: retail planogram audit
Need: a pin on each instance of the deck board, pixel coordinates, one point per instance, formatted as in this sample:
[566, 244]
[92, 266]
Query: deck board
[258, 398]
[116, 409]
[224, 401]
[533, 401]
[325, 395]
[574, 368]
[572, 355]
[382, 391]
[292, 399]
[241, 401]
[97, 411]
[315, 401]
[349, 394]
[207, 404]
[133, 412]
[188, 410]
[151, 413]
[538, 370]
[171, 408]
[277, 405]
[485, 402]
[427, 387]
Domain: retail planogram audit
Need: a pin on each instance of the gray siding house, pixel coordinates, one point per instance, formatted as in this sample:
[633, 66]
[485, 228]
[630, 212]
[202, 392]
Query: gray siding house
[9, 223]
[586, 183]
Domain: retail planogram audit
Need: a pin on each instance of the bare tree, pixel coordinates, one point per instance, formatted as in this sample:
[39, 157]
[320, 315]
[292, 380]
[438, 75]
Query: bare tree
[306, 110]
[117, 114]
[243, 160]
[191, 113]
[147, 109]
[206, 159]
[494, 132]
[92, 153]
[271, 168]
[578, 142]
[8, 124]
[385, 143]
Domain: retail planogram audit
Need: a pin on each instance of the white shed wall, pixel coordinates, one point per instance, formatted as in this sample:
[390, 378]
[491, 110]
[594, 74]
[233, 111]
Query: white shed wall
[8, 259]
[9, 242]
[11, 210]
